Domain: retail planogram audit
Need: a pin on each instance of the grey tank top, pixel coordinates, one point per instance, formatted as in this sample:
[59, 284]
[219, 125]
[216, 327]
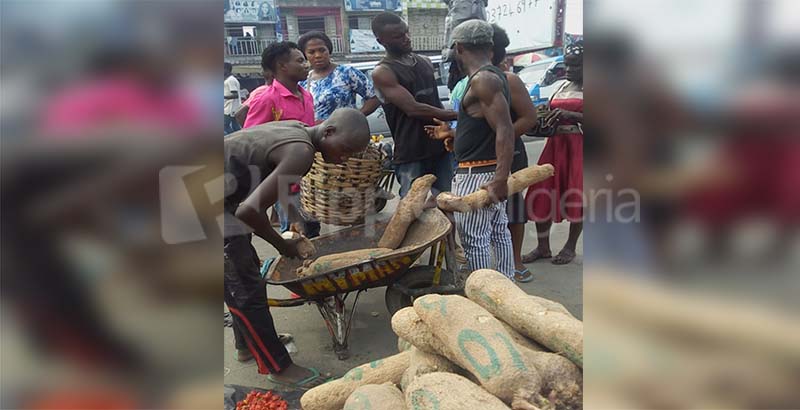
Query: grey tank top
[247, 156]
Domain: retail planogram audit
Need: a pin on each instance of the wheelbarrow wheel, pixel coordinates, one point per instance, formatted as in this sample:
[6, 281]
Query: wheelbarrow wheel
[418, 277]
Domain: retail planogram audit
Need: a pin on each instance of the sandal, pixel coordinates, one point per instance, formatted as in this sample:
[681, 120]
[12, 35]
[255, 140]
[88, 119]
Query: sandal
[564, 257]
[308, 383]
[523, 276]
[535, 255]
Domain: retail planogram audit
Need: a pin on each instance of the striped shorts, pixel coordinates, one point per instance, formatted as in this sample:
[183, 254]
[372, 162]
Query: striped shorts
[484, 231]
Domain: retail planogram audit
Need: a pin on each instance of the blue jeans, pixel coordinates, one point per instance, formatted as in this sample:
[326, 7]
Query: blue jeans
[230, 124]
[310, 227]
[441, 166]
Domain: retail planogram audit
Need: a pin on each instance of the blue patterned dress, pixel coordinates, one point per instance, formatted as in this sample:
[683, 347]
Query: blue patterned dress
[338, 90]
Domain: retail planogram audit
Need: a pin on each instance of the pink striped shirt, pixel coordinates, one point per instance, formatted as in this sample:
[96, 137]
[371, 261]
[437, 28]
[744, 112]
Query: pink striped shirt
[277, 103]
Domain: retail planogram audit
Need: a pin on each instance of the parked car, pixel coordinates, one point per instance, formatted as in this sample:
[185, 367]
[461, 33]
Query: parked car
[543, 78]
[377, 120]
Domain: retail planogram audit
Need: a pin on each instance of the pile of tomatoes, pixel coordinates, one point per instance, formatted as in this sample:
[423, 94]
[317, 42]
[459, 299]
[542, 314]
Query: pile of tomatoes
[262, 401]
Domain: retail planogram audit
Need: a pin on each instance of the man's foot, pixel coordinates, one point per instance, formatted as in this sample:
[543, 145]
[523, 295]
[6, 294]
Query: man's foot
[298, 377]
[523, 276]
[564, 257]
[536, 254]
[244, 356]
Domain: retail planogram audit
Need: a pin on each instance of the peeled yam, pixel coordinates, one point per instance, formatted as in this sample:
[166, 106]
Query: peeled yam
[423, 363]
[335, 261]
[480, 198]
[376, 397]
[334, 394]
[478, 342]
[407, 212]
[305, 247]
[447, 391]
[557, 331]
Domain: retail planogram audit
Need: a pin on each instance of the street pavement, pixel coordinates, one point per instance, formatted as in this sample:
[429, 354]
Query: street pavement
[371, 336]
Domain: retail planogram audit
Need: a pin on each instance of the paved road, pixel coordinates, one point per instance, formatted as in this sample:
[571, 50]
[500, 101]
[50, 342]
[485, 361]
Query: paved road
[371, 335]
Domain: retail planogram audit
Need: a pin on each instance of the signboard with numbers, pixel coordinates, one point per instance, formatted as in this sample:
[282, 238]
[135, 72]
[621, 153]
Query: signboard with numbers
[531, 24]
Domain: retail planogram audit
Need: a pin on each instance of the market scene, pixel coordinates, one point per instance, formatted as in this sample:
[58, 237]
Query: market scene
[388, 164]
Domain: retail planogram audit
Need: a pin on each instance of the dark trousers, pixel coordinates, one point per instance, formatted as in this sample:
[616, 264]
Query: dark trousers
[246, 297]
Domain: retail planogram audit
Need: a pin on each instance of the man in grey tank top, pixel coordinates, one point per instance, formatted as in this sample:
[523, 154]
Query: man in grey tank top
[260, 164]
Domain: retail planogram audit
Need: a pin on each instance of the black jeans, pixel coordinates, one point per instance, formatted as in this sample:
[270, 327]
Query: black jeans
[246, 297]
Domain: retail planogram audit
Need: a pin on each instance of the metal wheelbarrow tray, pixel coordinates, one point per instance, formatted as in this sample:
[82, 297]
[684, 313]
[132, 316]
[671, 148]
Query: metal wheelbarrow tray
[329, 290]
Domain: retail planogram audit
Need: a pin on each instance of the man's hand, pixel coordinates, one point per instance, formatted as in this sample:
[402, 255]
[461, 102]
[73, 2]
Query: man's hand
[448, 145]
[440, 131]
[497, 189]
[289, 248]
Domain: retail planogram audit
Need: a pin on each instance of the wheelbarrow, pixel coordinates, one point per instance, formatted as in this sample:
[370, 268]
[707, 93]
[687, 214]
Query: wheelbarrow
[329, 290]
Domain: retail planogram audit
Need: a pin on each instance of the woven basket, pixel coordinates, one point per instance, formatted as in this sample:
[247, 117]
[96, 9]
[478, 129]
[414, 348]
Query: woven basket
[342, 194]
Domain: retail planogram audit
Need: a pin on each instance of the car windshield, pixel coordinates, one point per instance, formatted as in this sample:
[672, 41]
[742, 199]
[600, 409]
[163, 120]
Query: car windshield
[533, 75]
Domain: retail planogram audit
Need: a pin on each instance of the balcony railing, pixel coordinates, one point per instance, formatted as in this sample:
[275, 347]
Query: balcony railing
[253, 47]
[427, 43]
[339, 46]
[246, 48]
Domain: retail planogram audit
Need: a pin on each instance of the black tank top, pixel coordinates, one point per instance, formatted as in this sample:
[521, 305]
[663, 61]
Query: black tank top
[411, 143]
[475, 138]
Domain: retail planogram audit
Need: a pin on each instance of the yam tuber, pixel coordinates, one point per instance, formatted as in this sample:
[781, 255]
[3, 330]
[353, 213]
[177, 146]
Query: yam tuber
[561, 379]
[480, 198]
[336, 261]
[447, 391]
[407, 212]
[478, 342]
[305, 247]
[376, 397]
[423, 363]
[557, 331]
[334, 394]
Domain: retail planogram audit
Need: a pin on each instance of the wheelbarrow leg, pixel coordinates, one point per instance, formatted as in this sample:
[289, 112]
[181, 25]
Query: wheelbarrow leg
[334, 312]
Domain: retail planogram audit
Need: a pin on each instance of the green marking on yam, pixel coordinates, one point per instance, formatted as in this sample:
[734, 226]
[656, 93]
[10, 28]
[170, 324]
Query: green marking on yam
[486, 372]
[417, 397]
[442, 302]
[354, 374]
[515, 356]
[486, 298]
[376, 363]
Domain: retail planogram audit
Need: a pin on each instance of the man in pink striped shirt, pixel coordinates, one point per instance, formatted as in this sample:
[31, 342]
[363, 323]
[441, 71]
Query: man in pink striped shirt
[285, 99]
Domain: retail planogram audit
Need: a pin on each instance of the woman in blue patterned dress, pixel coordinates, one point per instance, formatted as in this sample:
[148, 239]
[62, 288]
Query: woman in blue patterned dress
[332, 85]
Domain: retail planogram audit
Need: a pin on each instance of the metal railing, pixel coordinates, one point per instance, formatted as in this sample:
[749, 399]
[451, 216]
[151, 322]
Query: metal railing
[252, 48]
[241, 47]
[339, 46]
[427, 43]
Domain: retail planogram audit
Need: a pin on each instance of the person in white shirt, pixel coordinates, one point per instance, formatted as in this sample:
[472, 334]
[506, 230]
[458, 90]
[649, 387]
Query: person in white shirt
[232, 100]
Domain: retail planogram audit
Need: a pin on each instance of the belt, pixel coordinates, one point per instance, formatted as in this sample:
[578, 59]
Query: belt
[568, 129]
[476, 170]
[479, 163]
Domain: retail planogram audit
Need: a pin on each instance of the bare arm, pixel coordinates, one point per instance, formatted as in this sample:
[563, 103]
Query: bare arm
[252, 211]
[370, 106]
[488, 89]
[522, 105]
[394, 93]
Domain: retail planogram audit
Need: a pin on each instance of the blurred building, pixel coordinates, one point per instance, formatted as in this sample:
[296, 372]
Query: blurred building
[251, 25]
